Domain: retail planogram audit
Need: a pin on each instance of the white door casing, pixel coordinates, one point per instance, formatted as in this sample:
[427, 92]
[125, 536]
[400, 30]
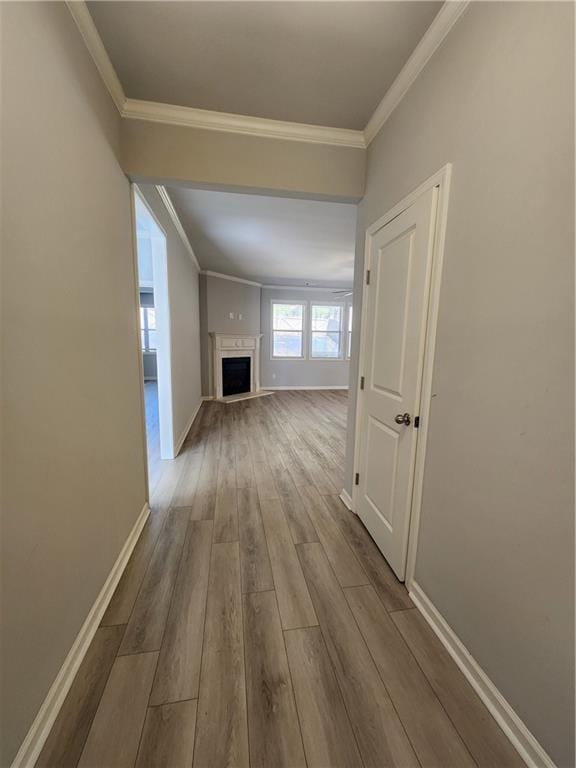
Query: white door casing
[399, 258]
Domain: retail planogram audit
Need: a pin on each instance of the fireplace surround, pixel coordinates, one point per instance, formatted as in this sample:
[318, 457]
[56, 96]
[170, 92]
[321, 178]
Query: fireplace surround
[235, 345]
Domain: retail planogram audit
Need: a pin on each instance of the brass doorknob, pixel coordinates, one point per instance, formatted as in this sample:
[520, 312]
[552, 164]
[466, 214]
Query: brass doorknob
[403, 418]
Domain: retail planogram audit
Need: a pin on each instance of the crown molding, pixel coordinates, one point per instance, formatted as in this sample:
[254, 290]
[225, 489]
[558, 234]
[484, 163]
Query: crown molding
[165, 197]
[443, 22]
[81, 15]
[205, 119]
[307, 288]
[222, 276]
[276, 287]
[171, 114]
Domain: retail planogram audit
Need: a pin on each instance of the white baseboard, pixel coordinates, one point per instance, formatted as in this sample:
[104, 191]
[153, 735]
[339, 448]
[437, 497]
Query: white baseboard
[44, 720]
[347, 499]
[289, 388]
[520, 736]
[186, 429]
[207, 397]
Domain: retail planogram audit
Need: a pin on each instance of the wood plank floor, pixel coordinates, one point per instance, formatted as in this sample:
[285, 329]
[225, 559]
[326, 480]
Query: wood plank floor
[258, 626]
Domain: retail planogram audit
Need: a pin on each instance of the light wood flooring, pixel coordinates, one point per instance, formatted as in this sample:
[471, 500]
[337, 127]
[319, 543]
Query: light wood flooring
[258, 625]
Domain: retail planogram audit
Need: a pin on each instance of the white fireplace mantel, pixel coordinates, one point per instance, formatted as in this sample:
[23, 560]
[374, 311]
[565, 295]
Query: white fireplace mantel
[236, 345]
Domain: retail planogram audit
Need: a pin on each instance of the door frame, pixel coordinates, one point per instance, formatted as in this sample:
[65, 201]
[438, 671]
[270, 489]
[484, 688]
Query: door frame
[440, 179]
[133, 192]
[163, 360]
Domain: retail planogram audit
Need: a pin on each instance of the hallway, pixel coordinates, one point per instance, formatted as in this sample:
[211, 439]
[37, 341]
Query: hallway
[257, 624]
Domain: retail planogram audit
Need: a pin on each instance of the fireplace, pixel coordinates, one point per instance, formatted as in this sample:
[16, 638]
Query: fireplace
[235, 375]
[235, 358]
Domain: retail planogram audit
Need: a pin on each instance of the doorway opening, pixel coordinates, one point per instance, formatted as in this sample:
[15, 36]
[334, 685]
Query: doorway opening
[154, 312]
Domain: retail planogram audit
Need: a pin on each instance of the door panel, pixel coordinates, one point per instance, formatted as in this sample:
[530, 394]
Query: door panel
[381, 460]
[391, 289]
[399, 257]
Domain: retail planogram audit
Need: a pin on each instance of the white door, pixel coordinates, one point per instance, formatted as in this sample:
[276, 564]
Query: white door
[399, 260]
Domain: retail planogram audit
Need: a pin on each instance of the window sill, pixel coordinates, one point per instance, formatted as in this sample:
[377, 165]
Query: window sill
[293, 359]
[328, 360]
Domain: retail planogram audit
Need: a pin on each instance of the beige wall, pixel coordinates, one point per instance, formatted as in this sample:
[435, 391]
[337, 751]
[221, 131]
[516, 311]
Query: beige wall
[496, 548]
[225, 160]
[73, 450]
[184, 319]
[219, 297]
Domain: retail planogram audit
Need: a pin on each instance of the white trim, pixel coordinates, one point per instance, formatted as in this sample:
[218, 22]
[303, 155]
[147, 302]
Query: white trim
[205, 398]
[93, 41]
[173, 114]
[349, 306]
[44, 720]
[305, 316]
[206, 119]
[146, 204]
[445, 19]
[517, 732]
[234, 279]
[319, 289]
[138, 336]
[186, 429]
[227, 345]
[441, 179]
[164, 351]
[346, 499]
[436, 180]
[243, 396]
[342, 350]
[164, 196]
[274, 389]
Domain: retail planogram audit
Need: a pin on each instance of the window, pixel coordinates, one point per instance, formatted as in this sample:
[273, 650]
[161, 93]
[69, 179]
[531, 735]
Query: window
[287, 329]
[315, 330]
[148, 328]
[326, 330]
[349, 339]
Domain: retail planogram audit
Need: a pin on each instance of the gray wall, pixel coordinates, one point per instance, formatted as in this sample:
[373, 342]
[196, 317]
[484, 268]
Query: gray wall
[496, 547]
[73, 478]
[183, 289]
[219, 298]
[297, 373]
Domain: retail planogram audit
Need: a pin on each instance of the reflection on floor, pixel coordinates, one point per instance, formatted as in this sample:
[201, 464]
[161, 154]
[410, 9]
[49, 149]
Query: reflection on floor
[152, 432]
[257, 624]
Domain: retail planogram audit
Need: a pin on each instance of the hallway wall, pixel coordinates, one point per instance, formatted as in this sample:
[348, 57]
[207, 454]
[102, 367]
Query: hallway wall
[239, 162]
[496, 547]
[73, 479]
[184, 319]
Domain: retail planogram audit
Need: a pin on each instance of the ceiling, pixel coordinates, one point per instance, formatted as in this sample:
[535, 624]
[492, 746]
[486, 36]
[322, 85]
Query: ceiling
[269, 239]
[321, 63]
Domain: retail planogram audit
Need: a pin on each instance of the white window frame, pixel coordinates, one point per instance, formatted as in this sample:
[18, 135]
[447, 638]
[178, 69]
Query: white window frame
[304, 305]
[145, 329]
[341, 350]
[349, 306]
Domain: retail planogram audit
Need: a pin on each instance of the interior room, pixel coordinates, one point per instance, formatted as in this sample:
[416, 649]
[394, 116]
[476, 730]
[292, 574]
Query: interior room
[287, 440]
